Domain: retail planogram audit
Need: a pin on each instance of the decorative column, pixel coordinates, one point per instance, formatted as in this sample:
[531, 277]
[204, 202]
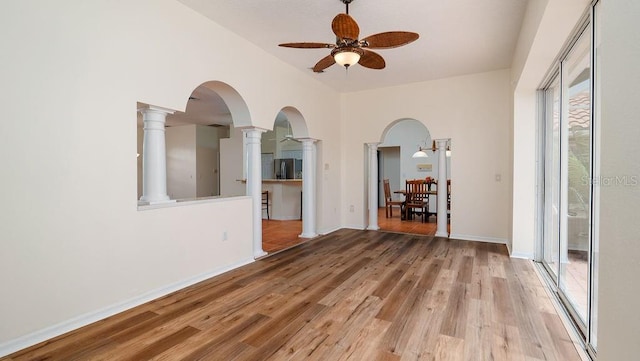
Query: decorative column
[441, 227]
[154, 155]
[252, 138]
[373, 186]
[308, 188]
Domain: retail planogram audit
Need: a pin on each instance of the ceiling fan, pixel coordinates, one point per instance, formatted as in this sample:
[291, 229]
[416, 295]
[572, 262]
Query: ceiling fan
[289, 135]
[348, 50]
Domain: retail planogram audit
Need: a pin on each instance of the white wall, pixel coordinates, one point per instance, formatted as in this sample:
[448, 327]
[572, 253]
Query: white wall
[74, 245]
[474, 111]
[546, 27]
[207, 159]
[619, 292]
[181, 161]
[232, 164]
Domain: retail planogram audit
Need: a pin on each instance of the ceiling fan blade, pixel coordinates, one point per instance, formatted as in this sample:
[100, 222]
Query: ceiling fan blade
[324, 63]
[307, 45]
[371, 60]
[390, 39]
[345, 27]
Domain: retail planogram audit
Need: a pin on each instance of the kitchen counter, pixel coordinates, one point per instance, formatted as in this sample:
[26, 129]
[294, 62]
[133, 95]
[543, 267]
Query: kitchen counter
[285, 198]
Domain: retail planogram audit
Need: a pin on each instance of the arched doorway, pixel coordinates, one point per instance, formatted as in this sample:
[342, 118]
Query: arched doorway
[287, 158]
[396, 163]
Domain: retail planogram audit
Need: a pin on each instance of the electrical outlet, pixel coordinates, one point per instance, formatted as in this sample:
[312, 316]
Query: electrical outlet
[224, 236]
[352, 208]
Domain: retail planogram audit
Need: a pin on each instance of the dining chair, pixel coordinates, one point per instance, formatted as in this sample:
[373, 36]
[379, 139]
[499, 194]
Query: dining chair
[416, 197]
[265, 202]
[389, 203]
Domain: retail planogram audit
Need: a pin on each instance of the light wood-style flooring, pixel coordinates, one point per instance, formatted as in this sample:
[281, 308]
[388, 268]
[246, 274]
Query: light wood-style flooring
[349, 295]
[413, 226]
[279, 235]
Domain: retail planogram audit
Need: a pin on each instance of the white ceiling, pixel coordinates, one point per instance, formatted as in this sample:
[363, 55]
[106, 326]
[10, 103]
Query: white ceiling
[457, 37]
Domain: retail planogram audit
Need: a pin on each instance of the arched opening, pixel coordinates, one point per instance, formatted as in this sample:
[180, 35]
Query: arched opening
[203, 144]
[282, 157]
[400, 141]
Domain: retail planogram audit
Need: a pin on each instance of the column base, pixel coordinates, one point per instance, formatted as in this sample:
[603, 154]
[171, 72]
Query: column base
[151, 203]
[442, 234]
[161, 202]
[259, 254]
[308, 235]
[373, 228]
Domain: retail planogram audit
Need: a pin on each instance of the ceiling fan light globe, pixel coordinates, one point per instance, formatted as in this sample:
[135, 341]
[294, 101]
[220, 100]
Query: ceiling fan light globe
[347, 57]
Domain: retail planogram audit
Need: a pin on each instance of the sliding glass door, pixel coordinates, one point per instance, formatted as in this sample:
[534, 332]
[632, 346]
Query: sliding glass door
[575, 176]
[551, 223]
[570, 168]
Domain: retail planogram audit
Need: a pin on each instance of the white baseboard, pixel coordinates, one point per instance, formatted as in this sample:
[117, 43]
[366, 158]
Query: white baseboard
[522, 255]
[50, 332]
[329, 230]
[359, 227]
[466, 237]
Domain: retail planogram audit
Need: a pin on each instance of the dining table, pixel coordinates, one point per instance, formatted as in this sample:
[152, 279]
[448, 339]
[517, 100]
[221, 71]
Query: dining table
[404, 193]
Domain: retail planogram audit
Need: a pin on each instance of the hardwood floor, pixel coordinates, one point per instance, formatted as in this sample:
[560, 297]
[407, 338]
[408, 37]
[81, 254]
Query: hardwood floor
[349, 295]
[279, 235]
[414, 226]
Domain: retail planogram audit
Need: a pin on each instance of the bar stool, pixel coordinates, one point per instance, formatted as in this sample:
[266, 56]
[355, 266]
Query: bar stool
[265, 202]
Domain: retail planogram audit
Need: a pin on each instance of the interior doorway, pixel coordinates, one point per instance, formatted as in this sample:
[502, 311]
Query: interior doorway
[397, 164]
[282, 183]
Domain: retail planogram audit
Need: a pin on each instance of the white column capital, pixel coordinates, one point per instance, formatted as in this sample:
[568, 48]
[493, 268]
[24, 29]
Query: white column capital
[152, 109]
[253, 131]
[373, 146]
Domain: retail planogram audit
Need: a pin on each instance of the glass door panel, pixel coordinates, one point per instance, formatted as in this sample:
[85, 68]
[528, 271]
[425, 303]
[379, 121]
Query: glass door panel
[552, 179]
[595, 242]
[576, 176]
